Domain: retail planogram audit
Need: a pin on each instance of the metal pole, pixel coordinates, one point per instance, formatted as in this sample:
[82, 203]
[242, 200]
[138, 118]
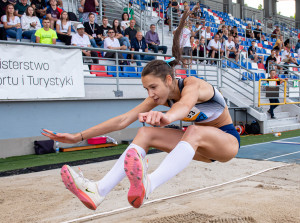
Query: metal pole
[101, 10]
[162, 35]
[117, 69]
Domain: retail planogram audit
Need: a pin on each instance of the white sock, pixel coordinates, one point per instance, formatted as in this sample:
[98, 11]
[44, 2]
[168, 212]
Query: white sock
[117, 173]
[178, 159]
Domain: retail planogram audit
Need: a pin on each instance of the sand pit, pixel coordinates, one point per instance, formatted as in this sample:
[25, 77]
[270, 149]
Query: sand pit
[272, 196]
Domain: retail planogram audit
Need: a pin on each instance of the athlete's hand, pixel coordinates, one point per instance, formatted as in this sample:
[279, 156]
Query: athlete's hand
[61, 137]
[154, 118]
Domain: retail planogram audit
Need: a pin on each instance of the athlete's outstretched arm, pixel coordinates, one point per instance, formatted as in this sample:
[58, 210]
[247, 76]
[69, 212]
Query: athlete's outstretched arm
[113, 124]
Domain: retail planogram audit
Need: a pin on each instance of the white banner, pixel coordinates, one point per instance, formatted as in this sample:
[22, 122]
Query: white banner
[28, 72]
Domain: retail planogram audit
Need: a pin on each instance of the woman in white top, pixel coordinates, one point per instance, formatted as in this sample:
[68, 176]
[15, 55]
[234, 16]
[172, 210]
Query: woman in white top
[63, 28]
[30, 23]
[12, 23]
[125, 21]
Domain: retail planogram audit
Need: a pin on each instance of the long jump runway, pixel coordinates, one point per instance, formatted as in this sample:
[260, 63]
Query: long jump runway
[285, 150]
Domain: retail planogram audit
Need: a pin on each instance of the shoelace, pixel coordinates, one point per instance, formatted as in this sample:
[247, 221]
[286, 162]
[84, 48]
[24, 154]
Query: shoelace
[85, 181]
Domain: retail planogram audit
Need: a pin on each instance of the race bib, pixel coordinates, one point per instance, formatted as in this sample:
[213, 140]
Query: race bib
[140, 50]
[195, 115]
[94, 35]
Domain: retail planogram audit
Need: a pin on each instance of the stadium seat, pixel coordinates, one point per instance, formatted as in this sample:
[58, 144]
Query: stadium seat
[254, 66]
[257, 76]
[180, 71]
[259, 45]
[129, 72]
[258, 50]
[111, 70]
[250, 76]
[295, 77]
[282, 76]
[99, 68]
[262, 76]
[139, 71]
[295, 69]
[244, 76]
[191, 72]
[261, 66]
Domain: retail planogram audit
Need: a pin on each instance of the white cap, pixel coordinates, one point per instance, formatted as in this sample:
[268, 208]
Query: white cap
[80, 26]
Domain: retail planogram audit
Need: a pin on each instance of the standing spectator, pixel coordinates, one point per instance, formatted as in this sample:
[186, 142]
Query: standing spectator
[92, 29]
[237, 48]
[124, 41]
[30, 23]
[63, 28]
[214, 47]
[279, 44]
[20, 8]
[270, 60]
[80, 13]
[12, 23]
[229, 48]
[252, 53]
[40, 7]
[276, 32]
[139, 44]
[129, 10]
[234, 32]
[89, 6]
[104, 27]
[286, 56]
[125, 21]
[113, 43]
[206, 34]
[82, 40]
[249, 33]
[153, 42]
[130, 32]
[3, 4]
[46, 35]
[273, 75]
[53, 13]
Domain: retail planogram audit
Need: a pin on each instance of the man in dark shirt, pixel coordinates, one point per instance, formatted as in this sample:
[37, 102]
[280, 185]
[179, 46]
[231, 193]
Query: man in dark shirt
[252, 53]
[53, 13]
[92, 29]
[39, 7]
[20, 8]
[130, 32]
[152, 40]
[271, 59]
[234, 32]
[3, 4]
[103, 29]
[139, 44]
[257, 32]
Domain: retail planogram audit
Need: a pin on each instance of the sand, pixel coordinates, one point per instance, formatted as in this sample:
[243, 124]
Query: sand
[272, 196]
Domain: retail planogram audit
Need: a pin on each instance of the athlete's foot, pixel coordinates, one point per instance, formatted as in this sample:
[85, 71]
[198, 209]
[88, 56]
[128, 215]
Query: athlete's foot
[84, 189]
[136, 171]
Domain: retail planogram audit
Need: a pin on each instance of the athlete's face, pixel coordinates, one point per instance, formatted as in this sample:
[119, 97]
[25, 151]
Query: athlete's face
[157, 89]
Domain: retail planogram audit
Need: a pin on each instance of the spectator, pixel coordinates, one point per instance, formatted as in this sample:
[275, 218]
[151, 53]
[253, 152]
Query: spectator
[202, 49]
[175, 13]
[221, 25]
[197, 13]
[82, 40]
[63, 28]
[257, 32]
[80, 13]
[286, 56]
[222, 30]
[229, 48]
[20, 8]
[3, 4]
[273, 75]
[252, 53]
[92, 29]
[53, 13]
[139, 44]
[234, 32]
[3, 35]
[297, 48]
[168, 15]
[278, 59]
[89, 6]
[206, 34]
[279, 44]
[249, 33]
[214, 47]
[12, 23]
[270, 60]
[197, 30]
[229, 28]
[113, 43]
[155, 4]
[225, 36]
[129, 10]
[40, 7]
[237, 48]
[104, 27]
[130, 32]
[124, 41]
[286, 42]
[30, 23]
[153, 42]
[46, 35]
[125, 21]
[276, 32]
[194, 45]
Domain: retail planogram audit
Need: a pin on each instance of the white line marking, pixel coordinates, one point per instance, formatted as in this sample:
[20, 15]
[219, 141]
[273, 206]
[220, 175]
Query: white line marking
[282, 155]
[267, 142]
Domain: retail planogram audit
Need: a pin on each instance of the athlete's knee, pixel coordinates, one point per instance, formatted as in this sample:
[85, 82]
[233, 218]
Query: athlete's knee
[146, 133]
[194, 135]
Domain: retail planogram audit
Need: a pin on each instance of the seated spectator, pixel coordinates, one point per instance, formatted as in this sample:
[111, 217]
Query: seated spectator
[139, 44]
[53, 13]
[92, 29]
[103, 29]
[155, 4]
[252, 53]
[124, 41]
[237, 48]
[194, 44]
[270, 60]
[12, 23]
[125, 21]
[3, 4]
[221, 25]
[3, 35]
[258, 33]
[40, 7]
[30, 23]
[153, 42]
[197, 13]
[286, 42]
[286, 56]
[276, 32]
[129, 10]
[234, 32]
[249, 33]
[46, 35]
[89, 6]
[82, 40]
[206, 34]
[222, 30]
[279, 44]
[63, 28]
[168, 15]
[197, 30]
[215, 47]
[297, 48]
[20, 8]
[80, 13]
[113, 43]
[229, 48]
[225, 36]
[229, 28]
[130, 32]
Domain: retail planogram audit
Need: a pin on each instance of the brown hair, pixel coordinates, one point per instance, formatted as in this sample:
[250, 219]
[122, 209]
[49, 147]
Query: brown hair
[61, 19]
[7, 15]
[27, 13]
[160, 68]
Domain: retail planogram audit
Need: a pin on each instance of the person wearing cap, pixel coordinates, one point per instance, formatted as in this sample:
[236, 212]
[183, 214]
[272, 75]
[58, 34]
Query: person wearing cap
[82, 40]
[46, 35]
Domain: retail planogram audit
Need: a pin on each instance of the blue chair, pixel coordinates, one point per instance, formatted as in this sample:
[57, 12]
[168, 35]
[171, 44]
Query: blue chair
[139, 71]
[295, 77]
[250, 76]
[249, 66]
[282, 76]
[191, 72]
[256, 76]
[245, 76]
[111, 70]
[258, 50]
[129, 72]
[262, 76]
